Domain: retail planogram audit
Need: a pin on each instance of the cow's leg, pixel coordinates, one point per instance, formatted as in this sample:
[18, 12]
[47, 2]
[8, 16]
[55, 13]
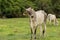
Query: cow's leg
[34, 32]
[54, 21]
[31, 33]
[44, 31]
[31, 27]
[40, 30]
[50, 21]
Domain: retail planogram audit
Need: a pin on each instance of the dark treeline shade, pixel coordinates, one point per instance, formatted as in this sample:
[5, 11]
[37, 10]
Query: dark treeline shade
[16, 8]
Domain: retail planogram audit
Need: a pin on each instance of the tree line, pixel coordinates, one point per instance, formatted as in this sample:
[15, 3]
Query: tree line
[16, 8]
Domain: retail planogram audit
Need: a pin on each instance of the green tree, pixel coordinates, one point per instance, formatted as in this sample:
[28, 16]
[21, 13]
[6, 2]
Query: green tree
[14, 8]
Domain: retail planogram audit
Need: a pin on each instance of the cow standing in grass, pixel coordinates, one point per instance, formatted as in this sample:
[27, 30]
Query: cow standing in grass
[53, 18]
[37, 18]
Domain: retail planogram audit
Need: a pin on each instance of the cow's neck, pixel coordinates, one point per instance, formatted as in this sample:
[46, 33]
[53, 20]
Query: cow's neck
[34, 14]
[33, 20]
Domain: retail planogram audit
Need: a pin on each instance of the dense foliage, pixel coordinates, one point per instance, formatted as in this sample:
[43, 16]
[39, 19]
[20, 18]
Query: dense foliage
[16, 8]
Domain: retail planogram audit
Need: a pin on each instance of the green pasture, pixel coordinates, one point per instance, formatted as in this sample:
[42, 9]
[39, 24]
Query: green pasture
[19, 29]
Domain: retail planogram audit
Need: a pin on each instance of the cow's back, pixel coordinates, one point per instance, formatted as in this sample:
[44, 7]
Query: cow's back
[40, 17]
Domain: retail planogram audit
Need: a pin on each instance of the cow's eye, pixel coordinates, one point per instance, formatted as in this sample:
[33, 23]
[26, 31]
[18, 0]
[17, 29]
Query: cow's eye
[29, 13]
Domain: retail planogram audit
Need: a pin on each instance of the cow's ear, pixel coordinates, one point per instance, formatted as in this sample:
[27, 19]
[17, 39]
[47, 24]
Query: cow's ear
[30, 7]
[26, 9]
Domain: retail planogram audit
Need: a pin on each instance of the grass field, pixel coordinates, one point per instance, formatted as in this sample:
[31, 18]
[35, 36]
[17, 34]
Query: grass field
[18, 29]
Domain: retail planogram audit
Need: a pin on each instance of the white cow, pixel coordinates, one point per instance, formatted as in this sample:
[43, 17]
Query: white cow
[37, 18]
[52, 18]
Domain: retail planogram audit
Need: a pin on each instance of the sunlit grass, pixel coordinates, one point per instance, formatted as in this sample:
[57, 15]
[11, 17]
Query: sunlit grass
[18, 29]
